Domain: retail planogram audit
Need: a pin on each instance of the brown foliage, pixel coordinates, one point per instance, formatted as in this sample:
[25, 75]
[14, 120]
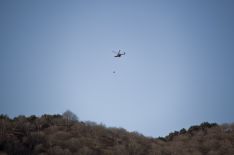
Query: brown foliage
[65, 135]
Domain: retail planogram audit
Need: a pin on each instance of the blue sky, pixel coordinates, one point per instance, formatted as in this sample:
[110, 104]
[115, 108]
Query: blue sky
[177, 71]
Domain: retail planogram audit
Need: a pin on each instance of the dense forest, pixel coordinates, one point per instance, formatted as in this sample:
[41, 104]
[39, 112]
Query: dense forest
[66, 135]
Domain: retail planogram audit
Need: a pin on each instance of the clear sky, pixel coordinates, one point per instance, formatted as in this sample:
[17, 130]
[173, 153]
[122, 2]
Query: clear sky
[178, 69]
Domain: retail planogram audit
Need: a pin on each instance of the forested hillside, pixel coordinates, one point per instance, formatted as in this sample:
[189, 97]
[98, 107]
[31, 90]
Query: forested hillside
[66, 135]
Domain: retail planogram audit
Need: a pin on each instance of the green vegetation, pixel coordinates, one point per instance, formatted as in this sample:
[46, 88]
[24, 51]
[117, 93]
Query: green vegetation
[66, 135]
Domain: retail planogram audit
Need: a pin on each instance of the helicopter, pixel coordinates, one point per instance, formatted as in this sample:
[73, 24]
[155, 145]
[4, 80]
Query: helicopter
[118, 54]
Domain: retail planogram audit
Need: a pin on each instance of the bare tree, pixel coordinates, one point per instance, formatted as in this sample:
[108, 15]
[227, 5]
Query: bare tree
[69, 117]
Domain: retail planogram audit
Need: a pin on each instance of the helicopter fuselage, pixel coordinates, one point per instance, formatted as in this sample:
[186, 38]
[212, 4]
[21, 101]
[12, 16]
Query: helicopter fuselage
[119, 55]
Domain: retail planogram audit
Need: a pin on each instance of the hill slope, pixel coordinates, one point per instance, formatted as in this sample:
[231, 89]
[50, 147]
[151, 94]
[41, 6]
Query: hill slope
[65, 135]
